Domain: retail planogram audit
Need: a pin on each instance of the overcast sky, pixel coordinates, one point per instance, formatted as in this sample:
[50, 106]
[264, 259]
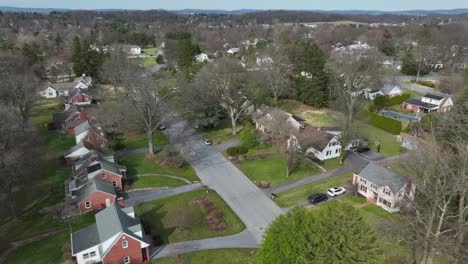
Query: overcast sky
[385, 5]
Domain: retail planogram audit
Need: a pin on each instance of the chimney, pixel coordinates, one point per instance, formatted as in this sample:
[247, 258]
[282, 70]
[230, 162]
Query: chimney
[120, 201]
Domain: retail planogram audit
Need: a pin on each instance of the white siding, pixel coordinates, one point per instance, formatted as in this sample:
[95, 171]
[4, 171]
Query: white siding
[49, 93]
[78, 153]
[331, 151]
[109, 242]
[81, 260]
[81, 136]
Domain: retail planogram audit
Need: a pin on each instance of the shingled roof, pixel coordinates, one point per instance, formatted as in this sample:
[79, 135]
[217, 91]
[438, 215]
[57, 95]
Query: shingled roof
[92, 186]
[382, 176]
[313, 137]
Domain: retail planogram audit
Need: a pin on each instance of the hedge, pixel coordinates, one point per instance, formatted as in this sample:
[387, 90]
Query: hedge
[386, 101]
[234, 151]
[388, 124]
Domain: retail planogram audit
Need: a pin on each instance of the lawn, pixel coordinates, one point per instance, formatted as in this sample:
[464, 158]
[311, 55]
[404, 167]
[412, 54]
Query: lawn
[139, 164]
[389, 145]
[51, 249]
[225, 256]
[273, 168]
[136, 141]
[150, 51]
[176, 218]
[298, 195]
[155, 181]
[221, 133]
[323, 117]
[148, 63]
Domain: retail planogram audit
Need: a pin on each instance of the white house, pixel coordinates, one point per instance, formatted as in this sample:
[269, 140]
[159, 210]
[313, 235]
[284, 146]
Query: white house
[53, 90]
[202, 57]
[132, 49]
[388, 90]
[49, 92]
[384, 187]
[429, 103]
[233, 51]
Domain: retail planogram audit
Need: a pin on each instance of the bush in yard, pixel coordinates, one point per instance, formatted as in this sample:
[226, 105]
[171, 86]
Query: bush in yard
[388, 124]
[336, 235]
[248, 136]
[159, 59]
[425, 83]
[386, 101]
[235, 151]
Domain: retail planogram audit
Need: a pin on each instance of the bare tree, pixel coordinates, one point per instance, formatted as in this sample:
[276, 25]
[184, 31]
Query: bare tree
[149, 105]
[276, 69]
[351, 72]
[120, 71]
[226, 82]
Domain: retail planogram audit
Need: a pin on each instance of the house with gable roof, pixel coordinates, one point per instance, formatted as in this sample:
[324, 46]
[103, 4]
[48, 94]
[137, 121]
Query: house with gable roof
[384, 187]
[95, 194]
[429, 103]
[266, 119]
[116, 237]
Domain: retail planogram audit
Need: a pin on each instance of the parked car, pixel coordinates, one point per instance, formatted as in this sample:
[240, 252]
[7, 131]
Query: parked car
[335, 191]
[162, 127]
[362, 149]
[317, 198]
[207, 141]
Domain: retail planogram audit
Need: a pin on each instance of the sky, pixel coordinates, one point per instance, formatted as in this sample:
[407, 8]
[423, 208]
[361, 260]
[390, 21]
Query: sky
[384, 5]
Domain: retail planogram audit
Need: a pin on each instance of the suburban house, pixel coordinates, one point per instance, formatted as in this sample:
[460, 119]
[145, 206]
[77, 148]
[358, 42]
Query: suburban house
[93, 134]
[79, 97]
[77, 152]
[388, 90]
[267, 118]
[384, 187]
[233, 51]
[66, 121]
[80, 166]
[132, 49]
[95, 194]
[116, 237]
[429, 103]
[321, 142]
[53, 90]
[97, 168]
[202, 57]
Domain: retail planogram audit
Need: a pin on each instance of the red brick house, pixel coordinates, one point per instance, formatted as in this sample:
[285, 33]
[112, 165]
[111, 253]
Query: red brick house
[95, 194]
[117, 237]
[66, 121]
[80, 166]
[77, 152]
[79, 97]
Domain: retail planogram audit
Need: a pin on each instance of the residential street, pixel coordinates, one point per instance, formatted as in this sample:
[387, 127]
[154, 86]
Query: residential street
[140, 196]
[255, 209]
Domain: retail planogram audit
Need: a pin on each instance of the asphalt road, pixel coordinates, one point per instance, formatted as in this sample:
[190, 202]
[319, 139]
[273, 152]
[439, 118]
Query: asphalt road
[140, 196]
[254, 209]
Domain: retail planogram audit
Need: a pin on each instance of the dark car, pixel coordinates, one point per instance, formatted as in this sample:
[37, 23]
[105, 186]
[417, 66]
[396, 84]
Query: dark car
[362, 149]
[317, 198]
[162, 127]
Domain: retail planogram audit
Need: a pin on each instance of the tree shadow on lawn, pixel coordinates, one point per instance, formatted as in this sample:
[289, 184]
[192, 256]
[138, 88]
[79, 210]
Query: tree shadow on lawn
[154, 227]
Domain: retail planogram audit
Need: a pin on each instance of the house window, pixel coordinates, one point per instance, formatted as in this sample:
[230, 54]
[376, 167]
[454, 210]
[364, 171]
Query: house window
[363, 188]
[88, 204]
[127, 260]
[125, 244]
[337, 150]
[92, 253]
[50, 94]
[86, 256]
[114, 183]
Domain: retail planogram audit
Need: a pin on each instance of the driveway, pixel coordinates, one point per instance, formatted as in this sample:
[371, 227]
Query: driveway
[140, 196]
[254, 209]
[241, 240]
[354, 162]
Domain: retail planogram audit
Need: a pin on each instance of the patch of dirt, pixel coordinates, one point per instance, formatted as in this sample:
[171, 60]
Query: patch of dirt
[214, 218]
[264, 184]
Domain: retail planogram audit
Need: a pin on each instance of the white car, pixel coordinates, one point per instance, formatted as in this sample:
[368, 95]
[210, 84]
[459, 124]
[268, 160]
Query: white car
[207, 141]
[335, 191]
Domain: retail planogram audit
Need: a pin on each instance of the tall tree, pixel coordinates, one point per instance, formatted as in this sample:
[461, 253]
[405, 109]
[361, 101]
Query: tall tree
[337, 235]
[120, 71]
[225, 82]
[311, 81]
[33, 53]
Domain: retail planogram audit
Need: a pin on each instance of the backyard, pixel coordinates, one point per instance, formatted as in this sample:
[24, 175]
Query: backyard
[182, 217]
[140, 140]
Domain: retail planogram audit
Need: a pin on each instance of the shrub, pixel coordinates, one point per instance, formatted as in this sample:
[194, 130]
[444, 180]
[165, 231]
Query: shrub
[159, 59]
[386, 101]
[388, 124]
[248, 136]
[234, 151]
[425, 83]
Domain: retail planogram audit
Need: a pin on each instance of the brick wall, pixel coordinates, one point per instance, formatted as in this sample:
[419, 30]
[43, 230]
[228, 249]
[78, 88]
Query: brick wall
[117, 253]
[110, 177]
[98, 201]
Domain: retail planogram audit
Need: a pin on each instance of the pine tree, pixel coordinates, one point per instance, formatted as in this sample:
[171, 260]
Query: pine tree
[248, 136]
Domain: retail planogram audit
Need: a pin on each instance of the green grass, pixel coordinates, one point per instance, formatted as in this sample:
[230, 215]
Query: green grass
[139, 164]
[155, 181]
[296, 196]
[273, 170]
[136, 141]
[148, 63]
[150, 51]
[177, 219]
[331, 164]
[225, 256]
[52, 249]
[221, 133]
[389, 145]
[315, 117]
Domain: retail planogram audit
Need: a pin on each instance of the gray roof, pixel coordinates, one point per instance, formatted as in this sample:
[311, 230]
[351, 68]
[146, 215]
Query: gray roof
[85, 238]
[422, 104]
[260, 116]
[383, 177]
[67, 86]
[388, 88]
[93, 186]
[76, 147]
[434, 96]
[92, 156]
[114, 220]
[107, 165]
[82, 127]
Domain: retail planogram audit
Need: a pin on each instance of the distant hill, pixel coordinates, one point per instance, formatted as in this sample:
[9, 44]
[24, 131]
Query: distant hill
[245, 11]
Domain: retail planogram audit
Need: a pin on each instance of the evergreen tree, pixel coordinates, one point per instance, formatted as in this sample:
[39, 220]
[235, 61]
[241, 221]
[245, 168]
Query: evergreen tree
[410, 65]
[311, 81]
[86, 60]
[337, 235]
[248, 136]
[33, 53]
